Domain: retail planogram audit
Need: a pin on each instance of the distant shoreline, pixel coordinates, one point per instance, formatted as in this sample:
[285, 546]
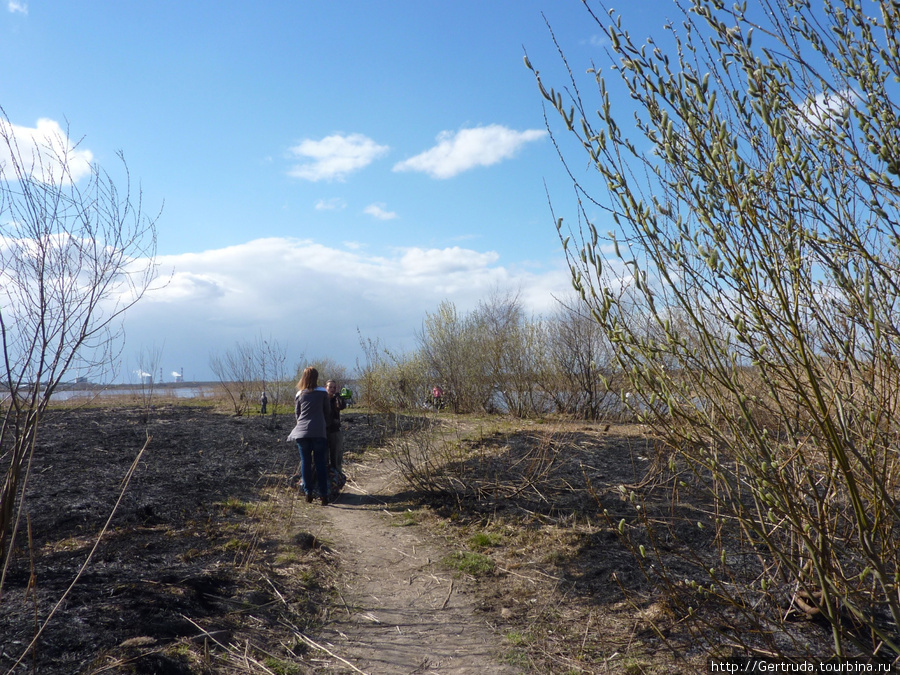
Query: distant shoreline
[91, 386]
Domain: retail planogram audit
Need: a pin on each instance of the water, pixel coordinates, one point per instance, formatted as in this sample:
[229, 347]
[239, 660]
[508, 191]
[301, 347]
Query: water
[162, 391]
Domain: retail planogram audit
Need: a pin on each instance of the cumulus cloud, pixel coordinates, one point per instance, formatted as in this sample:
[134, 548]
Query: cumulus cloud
[444, 262]
[315, 299]
[469, 148]
[378, 211]
[334, 157]
[49, 154]
[17, 7]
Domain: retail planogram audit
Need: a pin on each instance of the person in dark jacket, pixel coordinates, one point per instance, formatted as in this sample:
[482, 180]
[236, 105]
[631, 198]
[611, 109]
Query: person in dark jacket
[313, 410]
[335, 436]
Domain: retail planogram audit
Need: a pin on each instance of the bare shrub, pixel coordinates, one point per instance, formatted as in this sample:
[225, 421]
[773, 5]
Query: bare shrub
[148, 362]
[76, 251]
[581, 374]
[250, 368]
[441, 461]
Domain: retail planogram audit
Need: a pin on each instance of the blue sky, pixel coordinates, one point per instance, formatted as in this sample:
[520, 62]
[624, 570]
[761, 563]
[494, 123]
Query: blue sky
[327, 169]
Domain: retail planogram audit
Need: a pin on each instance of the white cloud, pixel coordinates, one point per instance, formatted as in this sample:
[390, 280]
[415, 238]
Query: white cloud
[334, 157]
[336, 204]
[47, 151]
[469, 148]
[823, 110]
[444, 262]
[17, 7]
[315, 299]
[378, 211]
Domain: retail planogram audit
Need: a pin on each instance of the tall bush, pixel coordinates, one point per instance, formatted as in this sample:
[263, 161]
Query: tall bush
[455, 347]
[755, 215]
[581, 375]
[391, 382]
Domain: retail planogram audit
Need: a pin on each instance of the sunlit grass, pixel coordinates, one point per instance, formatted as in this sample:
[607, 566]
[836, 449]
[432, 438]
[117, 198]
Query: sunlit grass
[467, 562]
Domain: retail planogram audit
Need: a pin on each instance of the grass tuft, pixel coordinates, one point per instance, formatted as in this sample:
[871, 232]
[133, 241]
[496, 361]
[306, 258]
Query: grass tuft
[467, 562]
[481, 540]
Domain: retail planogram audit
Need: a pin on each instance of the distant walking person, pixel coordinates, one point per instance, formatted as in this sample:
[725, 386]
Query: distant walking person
[335, 435]
[263, 401]
[437, 397]
[313, 411]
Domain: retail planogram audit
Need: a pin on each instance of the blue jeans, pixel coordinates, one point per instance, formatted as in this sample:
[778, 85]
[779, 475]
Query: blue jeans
[314, 459]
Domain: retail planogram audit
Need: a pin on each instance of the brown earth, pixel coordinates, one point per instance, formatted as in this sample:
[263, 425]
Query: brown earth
[212, 564]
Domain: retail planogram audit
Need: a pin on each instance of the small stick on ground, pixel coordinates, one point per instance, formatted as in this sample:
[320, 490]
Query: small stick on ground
[447, 599]
[330, 653]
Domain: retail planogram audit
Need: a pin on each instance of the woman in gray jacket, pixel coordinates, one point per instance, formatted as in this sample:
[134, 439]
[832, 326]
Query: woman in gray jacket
[313, 411]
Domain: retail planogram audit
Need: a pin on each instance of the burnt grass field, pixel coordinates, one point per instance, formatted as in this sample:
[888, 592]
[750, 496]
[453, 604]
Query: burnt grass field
[193, 558]
[203, 569]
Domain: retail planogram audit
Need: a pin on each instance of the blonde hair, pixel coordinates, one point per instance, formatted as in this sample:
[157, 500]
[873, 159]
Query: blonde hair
[309, 379]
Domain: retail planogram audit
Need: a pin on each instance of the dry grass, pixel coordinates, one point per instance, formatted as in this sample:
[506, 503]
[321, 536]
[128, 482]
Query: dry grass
[549, 504]
[530, 497]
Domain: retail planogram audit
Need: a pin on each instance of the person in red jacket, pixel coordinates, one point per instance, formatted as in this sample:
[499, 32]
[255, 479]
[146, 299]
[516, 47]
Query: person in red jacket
[437, 397]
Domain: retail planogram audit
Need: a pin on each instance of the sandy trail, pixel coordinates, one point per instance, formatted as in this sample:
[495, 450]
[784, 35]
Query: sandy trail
[402, 612]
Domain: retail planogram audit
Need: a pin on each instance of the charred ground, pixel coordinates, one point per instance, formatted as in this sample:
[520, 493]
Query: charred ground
[192, 557]
[211, 564]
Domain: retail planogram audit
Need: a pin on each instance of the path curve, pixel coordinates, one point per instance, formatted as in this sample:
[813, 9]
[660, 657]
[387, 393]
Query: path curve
[400, 612]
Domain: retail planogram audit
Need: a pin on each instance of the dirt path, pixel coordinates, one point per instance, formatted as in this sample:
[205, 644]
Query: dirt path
[401, 612]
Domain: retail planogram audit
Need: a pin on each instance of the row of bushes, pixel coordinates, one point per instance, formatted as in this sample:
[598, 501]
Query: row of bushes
[496, 358]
